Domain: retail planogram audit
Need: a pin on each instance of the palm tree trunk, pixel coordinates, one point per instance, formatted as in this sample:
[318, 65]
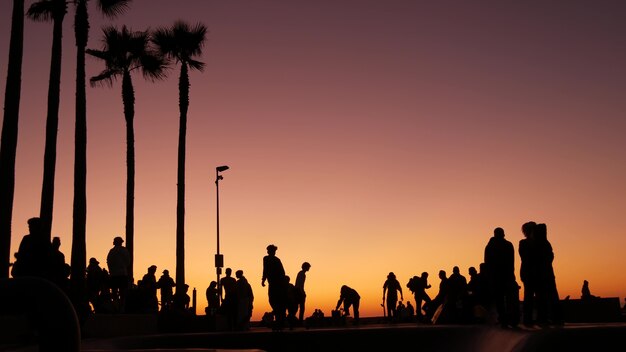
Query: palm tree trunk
[52, 125]
[79, 251]
[128, 96]
[8, 147]
[183, 103]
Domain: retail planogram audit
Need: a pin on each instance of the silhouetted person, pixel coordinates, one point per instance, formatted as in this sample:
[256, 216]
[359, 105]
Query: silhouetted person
[59, 269]
[410, 311]
[245, 301]
[548, 301]
[96, 283]
[292, 303]
[586, 292]
[33, 254]
[528, 272]
[106, 298]
[213, 298]
[180, 303]
[400, 312]
[166, 285]
[391, 287]
[500, 270]
[457, 294]
[418, 285]
[440, 299]
[301, 293]
[274, 274]
[350, 298]
[118, 261]
[474, 302]
[150, 302]
[229, 298]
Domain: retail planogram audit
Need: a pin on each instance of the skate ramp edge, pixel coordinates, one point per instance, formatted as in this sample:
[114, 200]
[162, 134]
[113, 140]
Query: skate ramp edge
[410, 338]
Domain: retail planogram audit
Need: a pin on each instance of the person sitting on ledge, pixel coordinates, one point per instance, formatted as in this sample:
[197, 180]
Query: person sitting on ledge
[586, 293]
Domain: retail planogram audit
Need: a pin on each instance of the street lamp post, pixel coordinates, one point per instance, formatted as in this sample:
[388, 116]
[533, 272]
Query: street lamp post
[219, 258]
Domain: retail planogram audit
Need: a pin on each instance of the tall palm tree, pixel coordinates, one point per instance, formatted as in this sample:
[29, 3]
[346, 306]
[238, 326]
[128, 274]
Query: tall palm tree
[110, 8]
[54, 10]
[182, 44]
[8, 148]
[123, 52]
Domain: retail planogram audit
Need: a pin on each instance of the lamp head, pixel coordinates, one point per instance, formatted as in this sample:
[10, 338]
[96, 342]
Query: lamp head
[221, 168]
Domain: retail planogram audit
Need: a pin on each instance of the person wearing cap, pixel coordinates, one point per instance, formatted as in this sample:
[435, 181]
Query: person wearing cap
[274, 274]
[166, 285]
[300, 293]
[118, 261]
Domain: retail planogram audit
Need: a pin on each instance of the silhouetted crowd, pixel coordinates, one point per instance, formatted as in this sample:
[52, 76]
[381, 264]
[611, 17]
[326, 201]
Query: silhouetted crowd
[108, 290]
[490, 295]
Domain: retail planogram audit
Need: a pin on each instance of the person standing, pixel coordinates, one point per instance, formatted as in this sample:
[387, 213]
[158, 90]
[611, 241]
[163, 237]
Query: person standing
[95, 281]
[166, 284]
[391, 287]
[500, 265]
[548, 303]
[300, 293]
[229, 300]
[118, 262]
[528, 272]
[245, 301]
[440, 302]
[59, 270]
[150, 302]
[274, 274]
[213, 299]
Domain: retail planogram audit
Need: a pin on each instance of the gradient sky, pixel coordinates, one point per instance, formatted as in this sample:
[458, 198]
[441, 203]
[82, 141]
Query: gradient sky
[363, 136]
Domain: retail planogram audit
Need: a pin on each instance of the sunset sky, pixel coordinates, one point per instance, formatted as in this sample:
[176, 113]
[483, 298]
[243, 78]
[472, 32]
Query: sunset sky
[362, 136]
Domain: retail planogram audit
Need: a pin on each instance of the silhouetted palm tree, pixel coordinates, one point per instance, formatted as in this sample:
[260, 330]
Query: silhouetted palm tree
[46, 10]
[110, 8]
[123, 52]
[181, 43]
[8, 147]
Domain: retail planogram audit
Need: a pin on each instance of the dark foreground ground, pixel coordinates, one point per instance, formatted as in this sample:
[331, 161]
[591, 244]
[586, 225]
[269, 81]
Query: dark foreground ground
[381, 337]
[140, 334]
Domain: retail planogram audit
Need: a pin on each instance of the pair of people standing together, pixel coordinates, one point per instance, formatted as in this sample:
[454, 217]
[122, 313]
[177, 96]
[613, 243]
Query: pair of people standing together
[278, 290]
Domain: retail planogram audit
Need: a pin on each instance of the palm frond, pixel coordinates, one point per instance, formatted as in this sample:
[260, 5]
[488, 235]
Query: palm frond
[113, 8]
[196, 65]
[105, 78]
[181, 42]
[41, 11]
[153, 67]
[97, 53]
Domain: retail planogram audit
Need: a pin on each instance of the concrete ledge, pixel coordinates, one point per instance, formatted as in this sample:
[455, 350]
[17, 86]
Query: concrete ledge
[592, 310]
